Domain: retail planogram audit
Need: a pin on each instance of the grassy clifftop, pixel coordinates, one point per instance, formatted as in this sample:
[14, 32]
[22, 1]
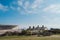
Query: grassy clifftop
[54, 37]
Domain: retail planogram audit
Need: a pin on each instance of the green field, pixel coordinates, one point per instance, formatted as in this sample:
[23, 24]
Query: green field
[30, 38]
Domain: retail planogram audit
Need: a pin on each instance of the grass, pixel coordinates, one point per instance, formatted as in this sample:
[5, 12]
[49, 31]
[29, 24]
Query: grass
[29, 38]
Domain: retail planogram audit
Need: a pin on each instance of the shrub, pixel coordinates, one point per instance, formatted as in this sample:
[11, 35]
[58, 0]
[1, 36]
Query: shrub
[29, 32]
[23, 32]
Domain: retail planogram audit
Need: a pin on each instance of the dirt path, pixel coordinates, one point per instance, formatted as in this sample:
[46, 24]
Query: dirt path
[55, 36]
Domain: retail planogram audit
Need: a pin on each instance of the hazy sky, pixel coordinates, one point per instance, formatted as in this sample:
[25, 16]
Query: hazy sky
[30, 12]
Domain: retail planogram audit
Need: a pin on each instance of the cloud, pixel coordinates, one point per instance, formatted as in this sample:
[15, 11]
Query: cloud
[52, 25]
[20, 2]
[3, 8]
[29, 7]
[37, 3]
[13, 8]
[55, 8]
[51, 20]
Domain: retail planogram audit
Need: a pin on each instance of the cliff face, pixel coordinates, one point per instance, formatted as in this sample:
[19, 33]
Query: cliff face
[6, 27]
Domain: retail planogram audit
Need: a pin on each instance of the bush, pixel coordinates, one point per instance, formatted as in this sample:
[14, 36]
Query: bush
[46, 33]
[8, 33]
[29, 32]
[23, 32]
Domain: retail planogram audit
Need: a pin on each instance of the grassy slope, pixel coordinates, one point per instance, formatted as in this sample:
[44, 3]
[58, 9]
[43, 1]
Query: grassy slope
[28, 38]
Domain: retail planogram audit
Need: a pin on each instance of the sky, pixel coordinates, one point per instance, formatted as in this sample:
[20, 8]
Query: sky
[30, 12]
